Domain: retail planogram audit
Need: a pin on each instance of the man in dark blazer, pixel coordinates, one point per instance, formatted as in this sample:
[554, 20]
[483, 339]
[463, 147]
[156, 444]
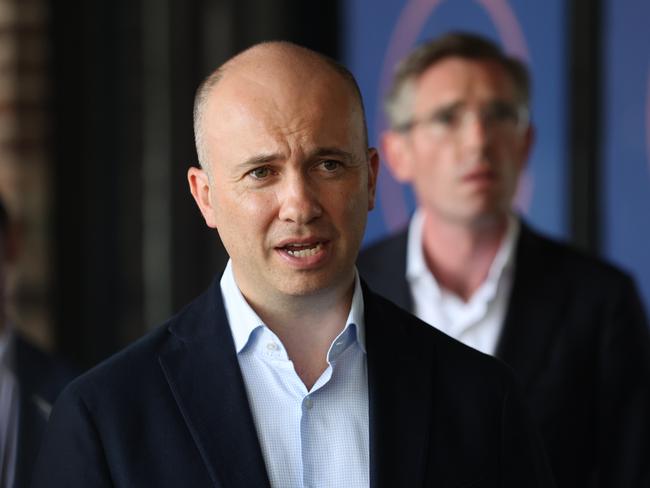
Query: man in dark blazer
[572, 327]
[288, 371]
[30, 381]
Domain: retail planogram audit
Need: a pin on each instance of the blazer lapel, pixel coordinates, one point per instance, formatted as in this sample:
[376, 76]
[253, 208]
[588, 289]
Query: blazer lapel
[397, 285]
[531, 322]
[203, 373]
[383, 266]
[400, 388]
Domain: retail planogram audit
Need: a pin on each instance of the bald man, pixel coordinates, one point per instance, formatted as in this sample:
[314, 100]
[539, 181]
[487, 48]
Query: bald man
[288, 371]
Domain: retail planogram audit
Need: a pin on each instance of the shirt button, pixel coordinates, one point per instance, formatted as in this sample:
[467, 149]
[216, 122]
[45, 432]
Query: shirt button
[308, 403]
[272, 346]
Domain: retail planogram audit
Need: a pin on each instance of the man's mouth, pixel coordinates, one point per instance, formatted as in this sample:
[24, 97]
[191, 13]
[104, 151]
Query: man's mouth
[303, 250]
[480, 175]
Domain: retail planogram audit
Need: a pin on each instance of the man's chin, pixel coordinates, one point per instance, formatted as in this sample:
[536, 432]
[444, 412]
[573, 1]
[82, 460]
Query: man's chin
[480, 216]
[306, 285]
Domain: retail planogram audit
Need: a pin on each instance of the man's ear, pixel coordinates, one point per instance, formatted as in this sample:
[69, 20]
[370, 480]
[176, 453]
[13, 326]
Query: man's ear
[201, 189]
[397, 155]
[373, 170]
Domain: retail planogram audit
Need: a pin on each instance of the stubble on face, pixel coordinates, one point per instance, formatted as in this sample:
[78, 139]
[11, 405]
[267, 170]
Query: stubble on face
[469, 179]
[291, 221]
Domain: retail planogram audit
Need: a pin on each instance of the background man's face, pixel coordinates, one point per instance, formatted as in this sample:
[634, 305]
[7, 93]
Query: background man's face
[465, 156]
[291, 187]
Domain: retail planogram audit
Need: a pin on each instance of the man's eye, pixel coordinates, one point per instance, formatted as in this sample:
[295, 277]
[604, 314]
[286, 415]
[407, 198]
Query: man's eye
[260, 173]
[444, 117]
[330, 165]
[501, 112]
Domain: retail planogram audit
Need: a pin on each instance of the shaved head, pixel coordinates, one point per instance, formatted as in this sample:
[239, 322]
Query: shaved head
[276, 64]
[285, 161]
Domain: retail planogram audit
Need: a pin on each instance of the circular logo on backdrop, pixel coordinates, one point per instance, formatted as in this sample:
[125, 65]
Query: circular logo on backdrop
[408, 28]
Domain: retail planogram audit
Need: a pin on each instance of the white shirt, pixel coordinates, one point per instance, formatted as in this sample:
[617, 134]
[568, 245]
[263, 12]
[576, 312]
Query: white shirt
[479, 321]
[8, 410]
[310, 439]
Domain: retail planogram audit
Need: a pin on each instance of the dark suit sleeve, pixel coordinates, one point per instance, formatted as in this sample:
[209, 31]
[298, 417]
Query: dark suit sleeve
[523, 459]
[624, 394]
[71, 454]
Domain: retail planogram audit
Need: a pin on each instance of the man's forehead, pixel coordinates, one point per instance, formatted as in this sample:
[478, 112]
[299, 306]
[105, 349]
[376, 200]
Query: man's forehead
[456, 76]
[267, 82]
[244, 119]
[243, 96]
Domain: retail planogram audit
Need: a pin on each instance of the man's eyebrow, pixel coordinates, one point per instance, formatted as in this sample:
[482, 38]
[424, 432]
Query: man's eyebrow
[331, 151]
[260, 159]
[320, 152]
[450, 105]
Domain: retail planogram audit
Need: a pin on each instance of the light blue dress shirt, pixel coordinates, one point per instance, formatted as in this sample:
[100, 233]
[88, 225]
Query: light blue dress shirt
[309, 439]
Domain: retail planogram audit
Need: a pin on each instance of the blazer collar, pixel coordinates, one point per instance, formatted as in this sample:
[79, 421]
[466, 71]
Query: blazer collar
[203, 373]
[394, 285]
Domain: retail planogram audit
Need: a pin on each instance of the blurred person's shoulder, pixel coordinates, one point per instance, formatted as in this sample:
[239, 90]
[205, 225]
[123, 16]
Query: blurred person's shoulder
[576, 266]
[136, 370]
[464, 370]
[39, 370]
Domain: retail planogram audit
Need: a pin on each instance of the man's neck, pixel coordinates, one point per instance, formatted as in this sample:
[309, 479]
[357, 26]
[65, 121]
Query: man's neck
[307, 326]
[459, 254]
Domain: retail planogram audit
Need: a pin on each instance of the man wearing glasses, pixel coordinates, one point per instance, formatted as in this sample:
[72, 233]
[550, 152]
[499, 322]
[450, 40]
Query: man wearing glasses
[571, 327]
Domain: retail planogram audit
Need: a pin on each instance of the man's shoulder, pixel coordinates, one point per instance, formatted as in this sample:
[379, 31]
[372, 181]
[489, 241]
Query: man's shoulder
[383, 266]
[126, 371]
[563, 258]
[455, 362]
[393, 245]
[136, 369]
[39, 371]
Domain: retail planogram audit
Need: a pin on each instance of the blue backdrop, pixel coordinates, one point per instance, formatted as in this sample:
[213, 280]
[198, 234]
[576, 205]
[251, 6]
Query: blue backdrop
[626, 133]
[378, 34]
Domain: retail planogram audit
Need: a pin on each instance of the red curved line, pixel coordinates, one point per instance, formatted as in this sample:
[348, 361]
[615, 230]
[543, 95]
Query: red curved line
[408, 27]
[510, 32]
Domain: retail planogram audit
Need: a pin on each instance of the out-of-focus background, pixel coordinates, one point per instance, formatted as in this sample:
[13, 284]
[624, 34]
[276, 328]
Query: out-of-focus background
[96, 137]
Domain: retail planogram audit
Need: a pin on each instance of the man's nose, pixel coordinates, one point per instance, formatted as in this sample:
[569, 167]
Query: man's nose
[475, 130]
[299, 199]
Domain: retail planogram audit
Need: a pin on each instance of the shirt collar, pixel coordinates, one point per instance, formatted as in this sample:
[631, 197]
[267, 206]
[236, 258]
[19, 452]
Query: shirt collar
[244, 321]
[416, 267]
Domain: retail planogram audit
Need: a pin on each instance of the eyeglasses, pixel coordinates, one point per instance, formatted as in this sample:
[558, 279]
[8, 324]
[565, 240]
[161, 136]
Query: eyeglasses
[452, 119]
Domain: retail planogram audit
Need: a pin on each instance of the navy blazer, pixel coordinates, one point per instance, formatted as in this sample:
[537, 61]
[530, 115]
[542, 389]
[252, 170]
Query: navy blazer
[576, 335]
[40, 379]
[171, 410]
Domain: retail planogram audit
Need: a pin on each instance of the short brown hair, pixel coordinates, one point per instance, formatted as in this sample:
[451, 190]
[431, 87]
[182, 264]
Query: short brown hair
[454, 44]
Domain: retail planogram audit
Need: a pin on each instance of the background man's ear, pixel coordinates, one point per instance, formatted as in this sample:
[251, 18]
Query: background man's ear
[396, 152]
[373, 171]
[201, 189]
